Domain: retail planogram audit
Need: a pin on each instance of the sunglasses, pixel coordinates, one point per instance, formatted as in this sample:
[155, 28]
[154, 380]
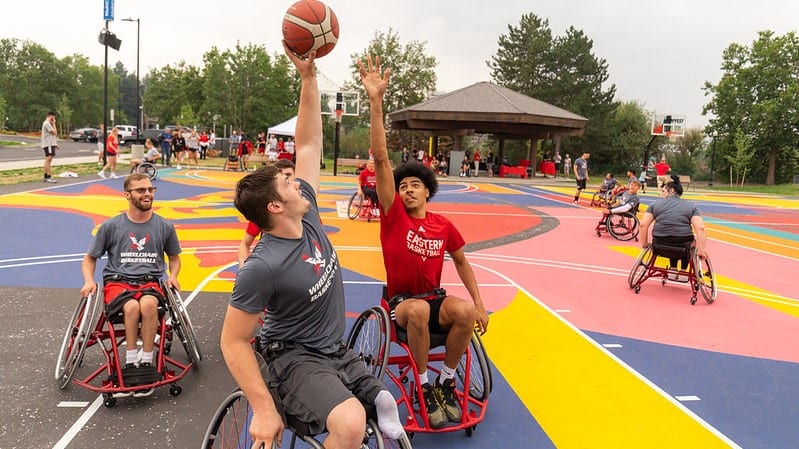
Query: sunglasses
[143, 190]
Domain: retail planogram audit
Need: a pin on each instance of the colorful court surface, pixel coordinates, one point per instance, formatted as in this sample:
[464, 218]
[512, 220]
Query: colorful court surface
[578, 359]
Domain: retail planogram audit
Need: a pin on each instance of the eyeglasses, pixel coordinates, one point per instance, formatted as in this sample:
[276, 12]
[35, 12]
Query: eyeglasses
[143, 190]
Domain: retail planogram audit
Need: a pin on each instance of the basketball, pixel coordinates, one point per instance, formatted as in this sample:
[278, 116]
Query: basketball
[310, 25]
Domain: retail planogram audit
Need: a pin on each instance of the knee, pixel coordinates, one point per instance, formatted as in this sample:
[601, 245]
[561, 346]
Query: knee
[347, 422]
[417, 313]
[131, 308]
[460, 312]
[149, 306]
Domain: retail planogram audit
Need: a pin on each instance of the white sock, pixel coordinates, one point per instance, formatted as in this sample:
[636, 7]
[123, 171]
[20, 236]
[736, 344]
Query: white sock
[446, 373]
[423, 378]
[147, 357]
[131, 356]
[388, 415]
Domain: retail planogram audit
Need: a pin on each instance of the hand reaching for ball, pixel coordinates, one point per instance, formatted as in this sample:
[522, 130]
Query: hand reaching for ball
[374, 82]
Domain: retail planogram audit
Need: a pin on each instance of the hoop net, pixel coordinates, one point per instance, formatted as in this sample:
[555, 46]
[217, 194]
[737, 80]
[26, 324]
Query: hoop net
[339, 113]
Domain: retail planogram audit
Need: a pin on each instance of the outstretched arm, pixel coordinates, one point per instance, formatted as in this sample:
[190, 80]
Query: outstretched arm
[375, 84]
[308, 134]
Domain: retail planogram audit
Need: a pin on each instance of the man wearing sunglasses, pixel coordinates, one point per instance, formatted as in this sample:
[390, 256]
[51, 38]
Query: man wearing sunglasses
[135, 242]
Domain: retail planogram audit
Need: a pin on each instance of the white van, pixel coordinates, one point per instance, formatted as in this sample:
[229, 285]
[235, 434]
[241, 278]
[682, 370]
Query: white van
[127, 134]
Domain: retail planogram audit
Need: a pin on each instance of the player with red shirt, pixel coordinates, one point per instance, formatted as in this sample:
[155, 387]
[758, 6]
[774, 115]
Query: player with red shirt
[414, 242]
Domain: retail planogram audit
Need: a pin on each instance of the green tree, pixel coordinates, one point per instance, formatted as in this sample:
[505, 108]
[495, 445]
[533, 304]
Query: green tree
[167, 92]
[630, 122]
[3, 115]
[756, 97]
[413, 75]
[562, 71]
[86, 99]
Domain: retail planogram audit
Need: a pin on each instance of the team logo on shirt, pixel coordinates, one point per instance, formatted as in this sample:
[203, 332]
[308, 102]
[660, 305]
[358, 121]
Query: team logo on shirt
[316, 260]
[423, 247]
[138, 244]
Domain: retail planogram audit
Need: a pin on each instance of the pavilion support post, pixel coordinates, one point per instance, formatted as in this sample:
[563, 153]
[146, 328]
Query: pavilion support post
[532, 155]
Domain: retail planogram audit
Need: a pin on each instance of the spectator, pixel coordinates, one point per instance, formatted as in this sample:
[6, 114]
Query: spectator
[166, 147]
[581, 174]
[112, 151]
[49, 143]
[662, 170]
[567, 165]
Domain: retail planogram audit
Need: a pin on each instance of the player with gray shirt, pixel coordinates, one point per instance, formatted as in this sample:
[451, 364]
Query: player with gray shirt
[581, 174]
[293, 275]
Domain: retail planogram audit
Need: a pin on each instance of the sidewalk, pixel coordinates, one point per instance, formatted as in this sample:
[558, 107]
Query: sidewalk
[33, 163]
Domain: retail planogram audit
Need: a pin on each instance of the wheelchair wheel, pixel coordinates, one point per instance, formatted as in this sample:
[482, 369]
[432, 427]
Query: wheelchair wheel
[480, 381]
[76, 339]
[370, 339]
[230, 426]
[182, 325]
[148, 169]
[354, 209]
[374, 439]
[705, 278]
[640, 268]
[623, 226]
[597, 199]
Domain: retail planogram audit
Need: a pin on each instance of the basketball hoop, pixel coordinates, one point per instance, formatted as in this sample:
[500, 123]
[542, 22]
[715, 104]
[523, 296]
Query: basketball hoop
[339, 113]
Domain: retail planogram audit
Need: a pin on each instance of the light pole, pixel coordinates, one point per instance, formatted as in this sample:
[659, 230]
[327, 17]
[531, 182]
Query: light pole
[138, 84]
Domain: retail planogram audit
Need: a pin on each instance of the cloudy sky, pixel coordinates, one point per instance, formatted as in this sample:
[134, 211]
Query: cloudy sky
[658, 53]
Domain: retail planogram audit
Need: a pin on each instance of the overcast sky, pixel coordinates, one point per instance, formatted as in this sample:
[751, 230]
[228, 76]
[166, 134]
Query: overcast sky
[658, 53]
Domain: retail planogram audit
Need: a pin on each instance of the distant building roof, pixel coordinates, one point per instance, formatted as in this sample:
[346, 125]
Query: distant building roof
[491, 109]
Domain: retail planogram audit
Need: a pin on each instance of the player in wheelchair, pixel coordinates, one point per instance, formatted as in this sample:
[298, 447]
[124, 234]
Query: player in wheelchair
[134, 293]
[364, 202]
[146, 164]
[294, 275]
[620, 219]
[678, 234]
[604, 195]
[415, 243]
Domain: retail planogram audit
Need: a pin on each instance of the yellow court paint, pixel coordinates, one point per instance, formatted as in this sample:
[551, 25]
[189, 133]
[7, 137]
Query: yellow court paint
[581, 395]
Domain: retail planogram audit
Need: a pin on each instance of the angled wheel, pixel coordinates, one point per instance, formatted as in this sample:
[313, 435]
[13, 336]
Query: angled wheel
[148, 169]
[76, 339]
[640, 267]
[230, 426]
[370, 339]
[181, 323]
[623, 226]
[480, 380]
[705, 278]
[356, 203]
[596, 200]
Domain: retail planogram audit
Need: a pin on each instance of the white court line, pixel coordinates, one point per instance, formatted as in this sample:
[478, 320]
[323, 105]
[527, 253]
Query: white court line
[687, 398]
[76, 404]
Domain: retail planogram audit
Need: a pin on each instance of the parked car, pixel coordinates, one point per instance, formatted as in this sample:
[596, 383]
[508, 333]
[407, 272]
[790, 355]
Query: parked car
[84, 135]
[127, 134]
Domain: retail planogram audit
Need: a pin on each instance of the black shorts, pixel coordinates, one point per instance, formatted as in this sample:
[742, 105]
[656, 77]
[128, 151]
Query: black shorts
[436, 300]
[581, 183]
[311, 384]
[49, 151]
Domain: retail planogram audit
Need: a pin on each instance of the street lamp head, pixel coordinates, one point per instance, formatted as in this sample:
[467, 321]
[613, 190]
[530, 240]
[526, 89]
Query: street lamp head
[130, 19]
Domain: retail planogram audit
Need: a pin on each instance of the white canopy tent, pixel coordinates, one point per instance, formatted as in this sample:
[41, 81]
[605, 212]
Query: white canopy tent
[284, 129]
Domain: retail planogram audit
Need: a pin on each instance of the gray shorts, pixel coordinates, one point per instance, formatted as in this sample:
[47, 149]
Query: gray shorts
[310, 384]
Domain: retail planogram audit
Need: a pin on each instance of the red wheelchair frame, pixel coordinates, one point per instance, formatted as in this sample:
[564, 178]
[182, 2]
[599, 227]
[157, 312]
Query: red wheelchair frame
[372, 336]
[699, 273]
[90, 326]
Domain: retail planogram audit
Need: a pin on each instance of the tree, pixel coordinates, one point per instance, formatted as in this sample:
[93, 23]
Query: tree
[413, 75]
[756, 97]
[630, 123]
[562, 71]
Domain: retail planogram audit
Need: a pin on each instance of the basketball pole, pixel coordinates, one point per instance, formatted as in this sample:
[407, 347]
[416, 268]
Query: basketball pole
[339, 113]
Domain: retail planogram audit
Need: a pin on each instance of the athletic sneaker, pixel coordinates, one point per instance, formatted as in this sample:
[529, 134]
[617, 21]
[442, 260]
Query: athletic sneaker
[101, 174]
[445, 395]
[50, 180]
[435, 414]
[672, 275]
[114, 175]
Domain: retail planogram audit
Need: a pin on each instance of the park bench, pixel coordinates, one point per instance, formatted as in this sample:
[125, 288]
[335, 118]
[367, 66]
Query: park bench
[355, 164]
[685, 180]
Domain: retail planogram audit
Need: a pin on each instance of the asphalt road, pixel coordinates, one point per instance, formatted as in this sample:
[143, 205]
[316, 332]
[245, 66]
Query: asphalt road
[32, 151]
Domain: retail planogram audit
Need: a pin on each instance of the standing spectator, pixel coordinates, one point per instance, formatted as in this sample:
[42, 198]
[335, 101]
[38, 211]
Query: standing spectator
[290, 147]
[581, 174]
[166, 147]
[415, 242]
[112, 151]
[295, 275]
[476, 163]
[272, 143]
[49, 144]
[567, 165]
[490, 163]
[662, 170]
[420, 156]
[557, 160]
[132, 273]
[178, 146]
[281, 146]
[260, 143]
[235, 141]
[192, 148]
[100, 145]
[405, 154]
[212, 140]
[203, 144]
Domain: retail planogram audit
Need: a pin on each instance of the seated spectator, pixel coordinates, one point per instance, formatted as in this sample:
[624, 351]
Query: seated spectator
[152, 155]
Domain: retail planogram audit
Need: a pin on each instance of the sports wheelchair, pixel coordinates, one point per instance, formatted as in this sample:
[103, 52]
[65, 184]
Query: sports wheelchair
[622, 227]
[372, 337]
[361, 206]
[148, 168]
[229, 427]
[602, 197]
[90, 326]
[699, 273]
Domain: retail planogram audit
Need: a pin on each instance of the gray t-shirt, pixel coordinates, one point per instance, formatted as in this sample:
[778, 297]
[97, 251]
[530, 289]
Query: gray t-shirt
[135, 249]
[673, 217]
[581, 165]
[299, 284]
[48, 138]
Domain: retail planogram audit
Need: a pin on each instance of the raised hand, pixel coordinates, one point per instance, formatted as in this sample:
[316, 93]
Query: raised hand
[374, 82]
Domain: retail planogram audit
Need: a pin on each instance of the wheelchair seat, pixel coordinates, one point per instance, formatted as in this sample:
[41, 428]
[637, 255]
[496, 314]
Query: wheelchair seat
[436, 340]
[673, 251]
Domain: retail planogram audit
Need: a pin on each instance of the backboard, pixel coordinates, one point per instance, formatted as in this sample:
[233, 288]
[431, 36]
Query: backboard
[668, 125]
[349, 102]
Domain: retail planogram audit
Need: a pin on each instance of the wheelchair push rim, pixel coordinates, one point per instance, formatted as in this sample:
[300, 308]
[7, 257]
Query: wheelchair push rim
[370, 337]
[355, 205]
[705, 277]
[182, 325]
[76, 339]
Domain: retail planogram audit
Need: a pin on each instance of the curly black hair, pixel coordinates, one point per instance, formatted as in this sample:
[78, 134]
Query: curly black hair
[421, 171]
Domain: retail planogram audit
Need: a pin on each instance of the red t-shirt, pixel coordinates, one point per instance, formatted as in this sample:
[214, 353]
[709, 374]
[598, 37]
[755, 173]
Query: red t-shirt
[367, 178]
[662, 168]
[413, 249]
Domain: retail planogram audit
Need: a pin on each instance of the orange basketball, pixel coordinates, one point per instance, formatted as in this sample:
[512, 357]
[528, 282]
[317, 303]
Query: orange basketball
[310, 25]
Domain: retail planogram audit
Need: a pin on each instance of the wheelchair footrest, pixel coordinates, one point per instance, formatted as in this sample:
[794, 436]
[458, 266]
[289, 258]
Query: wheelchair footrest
[140, 375]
